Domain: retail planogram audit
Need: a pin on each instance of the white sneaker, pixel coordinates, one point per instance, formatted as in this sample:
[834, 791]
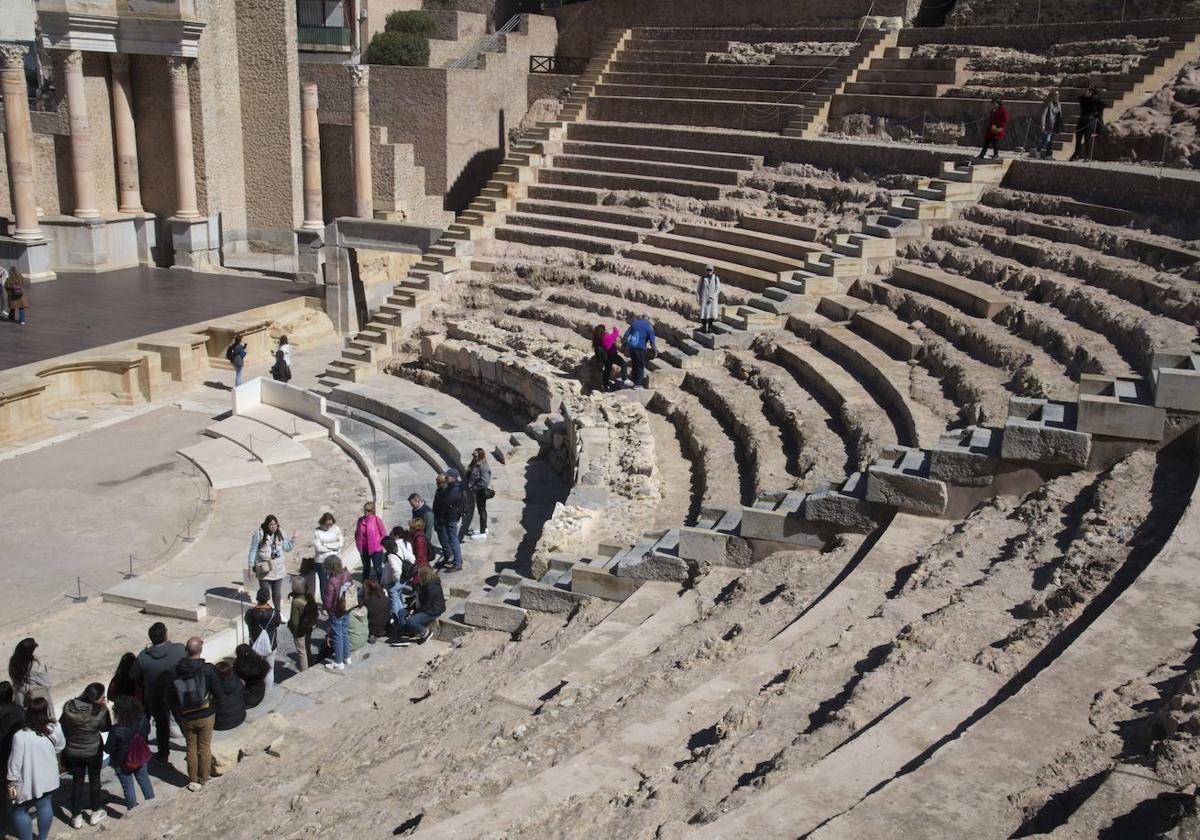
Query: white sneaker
[77, 821]
[96, 816]
[194, 786]
[482, 535]
[333, 666]
[348, 662]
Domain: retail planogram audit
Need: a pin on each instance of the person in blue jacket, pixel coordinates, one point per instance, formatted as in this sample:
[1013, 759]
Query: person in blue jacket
[638, 337]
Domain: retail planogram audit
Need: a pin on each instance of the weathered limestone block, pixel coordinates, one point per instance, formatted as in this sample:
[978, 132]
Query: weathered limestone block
[567, 531]
[1119, 406]
[842, 512]
[654, 566]
[602, 583]
[906, 491]
[491, 614]
[1176, 380]
[708, 547]
[1043, 431]
[966, 457]
[549, 599]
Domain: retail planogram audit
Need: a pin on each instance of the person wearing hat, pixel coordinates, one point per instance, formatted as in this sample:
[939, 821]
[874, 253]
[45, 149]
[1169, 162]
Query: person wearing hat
[708, 293]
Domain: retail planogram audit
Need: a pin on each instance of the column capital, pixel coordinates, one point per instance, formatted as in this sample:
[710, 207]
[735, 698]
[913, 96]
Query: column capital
[13, 55]
[360, 74]
[119, 60]
[177, 66]
[71, 59]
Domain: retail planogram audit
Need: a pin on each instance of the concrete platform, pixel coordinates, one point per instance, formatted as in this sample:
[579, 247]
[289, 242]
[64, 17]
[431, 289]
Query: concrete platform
[266, 444]
[225, 464]
[297, 428]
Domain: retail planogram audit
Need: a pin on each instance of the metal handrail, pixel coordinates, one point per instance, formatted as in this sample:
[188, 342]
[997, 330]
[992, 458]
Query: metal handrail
[487, 43]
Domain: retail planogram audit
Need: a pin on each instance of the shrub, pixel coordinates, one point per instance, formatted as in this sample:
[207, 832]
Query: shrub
[401, 48]
[414, 23]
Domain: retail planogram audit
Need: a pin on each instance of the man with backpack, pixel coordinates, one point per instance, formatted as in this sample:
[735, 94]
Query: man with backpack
[191, 701]
[638, 337]
[235, 354]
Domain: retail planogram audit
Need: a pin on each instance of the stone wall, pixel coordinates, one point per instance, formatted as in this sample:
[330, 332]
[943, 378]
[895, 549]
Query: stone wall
[217, 121]
[156, 145]
[270, 103]
[46, 179]
[984, 12]
[580, 25]
[547, 85]
[1033, 37]
[337, 173]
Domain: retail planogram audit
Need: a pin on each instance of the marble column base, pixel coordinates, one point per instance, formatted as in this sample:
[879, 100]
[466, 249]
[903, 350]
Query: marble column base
[196, 243]
[32, 259]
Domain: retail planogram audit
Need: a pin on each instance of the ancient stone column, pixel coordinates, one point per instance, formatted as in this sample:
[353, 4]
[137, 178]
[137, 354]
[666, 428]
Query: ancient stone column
[129, 190]
[364, 201]
[185, 168]
[310, 141]
[17, 142]
[83, 171]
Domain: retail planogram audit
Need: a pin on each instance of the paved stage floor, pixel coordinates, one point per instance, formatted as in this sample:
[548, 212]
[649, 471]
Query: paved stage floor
[81, 311]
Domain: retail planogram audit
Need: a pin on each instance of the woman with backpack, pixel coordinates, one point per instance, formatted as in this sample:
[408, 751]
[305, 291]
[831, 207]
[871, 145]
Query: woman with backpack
[262, 624]
[128, 749]
[28, 675]
[340, 596]
[268, 556]
[302, 620]
[33, 769]
[398, 571]
[83, 719]
[18, 296]
[236, 356]
[479, 485]
[368, 537]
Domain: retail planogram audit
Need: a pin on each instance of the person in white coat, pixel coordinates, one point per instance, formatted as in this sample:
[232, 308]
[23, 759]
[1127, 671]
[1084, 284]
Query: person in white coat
[327, 542]
[708, 294]
[33, 769]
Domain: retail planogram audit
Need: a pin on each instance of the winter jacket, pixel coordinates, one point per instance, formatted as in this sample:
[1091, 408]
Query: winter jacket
[230, 699]
[16, 301]
[610, 340]
[368, 534]
[82, 724]
[998, 122]
[153, 667]
[708, 296]
[333, 589]
[253, 670]
[33, 763]
[303, 617]
[1052, 118]
[430, 599]
[479, 477]
[326, 542]
[208, 677]
[237, 354]
[258, 620]
[379, 613]
[38, 685]
[119, 739]
[425, 513]
[420, 549]
[263, 550]
[448, 503]
[640, 335]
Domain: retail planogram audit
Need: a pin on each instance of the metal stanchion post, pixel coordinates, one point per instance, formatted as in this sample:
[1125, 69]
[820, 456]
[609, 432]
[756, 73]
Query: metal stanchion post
[130, 573]
[78, 598]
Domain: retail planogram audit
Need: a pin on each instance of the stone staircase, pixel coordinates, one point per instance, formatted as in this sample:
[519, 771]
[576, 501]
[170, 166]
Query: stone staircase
[810, 121]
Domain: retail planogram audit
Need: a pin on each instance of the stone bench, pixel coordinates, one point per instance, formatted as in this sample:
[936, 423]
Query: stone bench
[1044, 431]
[971, 296]
[900, 478]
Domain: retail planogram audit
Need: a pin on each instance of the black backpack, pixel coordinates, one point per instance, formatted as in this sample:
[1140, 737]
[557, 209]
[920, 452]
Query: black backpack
[229, 352]
[191, 690]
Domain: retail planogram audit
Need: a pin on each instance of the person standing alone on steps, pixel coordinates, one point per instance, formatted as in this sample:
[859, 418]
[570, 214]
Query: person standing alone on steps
[639, 338]
[997, 124]
[708, 295]
[1051, 124]
[479, 485]
[236, 356]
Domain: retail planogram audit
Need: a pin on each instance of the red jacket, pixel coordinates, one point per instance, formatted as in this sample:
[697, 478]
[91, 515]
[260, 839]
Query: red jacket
[998, 122]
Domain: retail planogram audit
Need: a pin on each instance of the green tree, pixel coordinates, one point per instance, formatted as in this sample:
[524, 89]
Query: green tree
[402, 48]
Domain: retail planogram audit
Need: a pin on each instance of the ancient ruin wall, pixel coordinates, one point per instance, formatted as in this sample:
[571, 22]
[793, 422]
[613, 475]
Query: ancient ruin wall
[156, 145]
[270, 113]
[990, 13]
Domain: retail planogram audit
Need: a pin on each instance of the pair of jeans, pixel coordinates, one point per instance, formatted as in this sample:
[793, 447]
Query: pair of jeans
[79, 767]
[399, 611]
[44, 805]
[198, 734]
[451, 548]
[1047, 144]
[339, 630]
[415, 626]
[237, 375]
[17, 315]
[127, 778]
[637, 355]
[162, 730]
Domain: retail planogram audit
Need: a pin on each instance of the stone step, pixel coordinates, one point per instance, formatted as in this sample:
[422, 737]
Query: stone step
[566, 224]
[787, 247]
[544, 238]
[785, 229]
[886, 331]
[658, 168]
[571, 195]
[666, 154]
[971, 296]
[753, 279]
[295, 427]
[779, 83]
[226, 464]
[263, 442]
[612, 181]
[496, 609]
[693, 240]
[712, 92]
[585, 211]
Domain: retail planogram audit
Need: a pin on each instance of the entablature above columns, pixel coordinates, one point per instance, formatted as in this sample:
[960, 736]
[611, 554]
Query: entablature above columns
[145, 27]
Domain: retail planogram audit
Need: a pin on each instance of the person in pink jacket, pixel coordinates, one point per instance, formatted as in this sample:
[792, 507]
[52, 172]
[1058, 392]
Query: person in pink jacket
[368, 537]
